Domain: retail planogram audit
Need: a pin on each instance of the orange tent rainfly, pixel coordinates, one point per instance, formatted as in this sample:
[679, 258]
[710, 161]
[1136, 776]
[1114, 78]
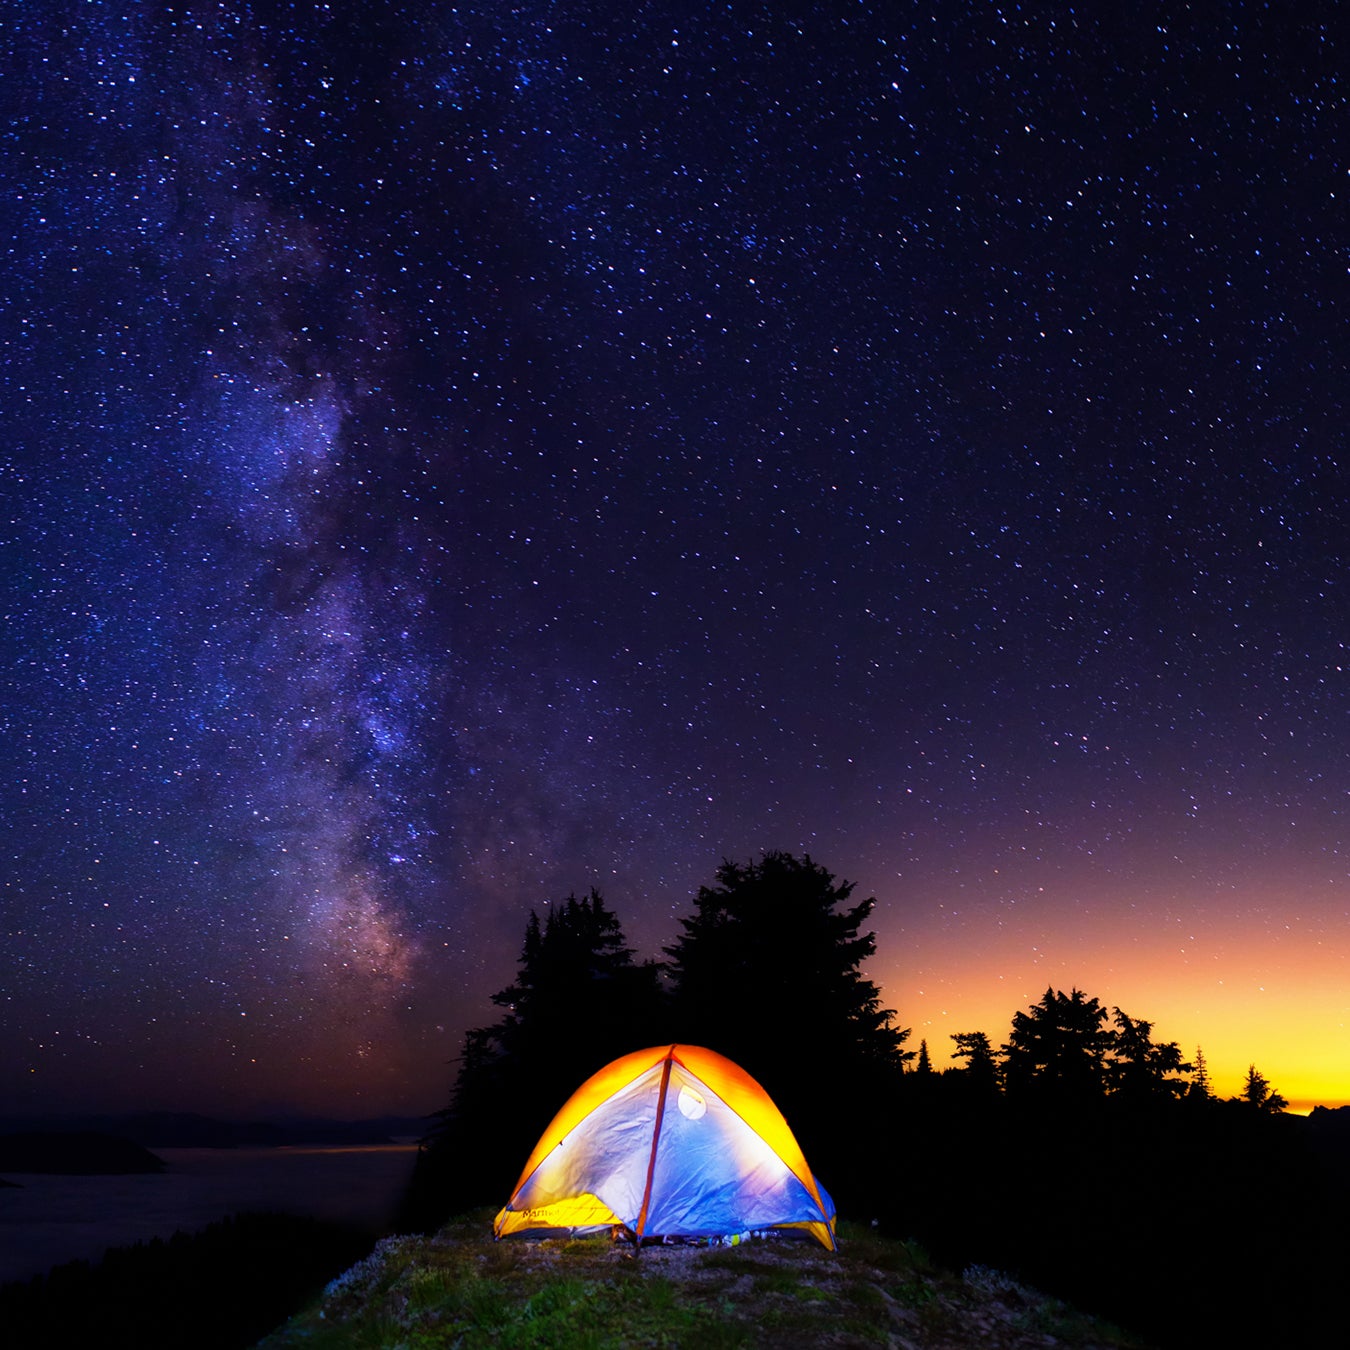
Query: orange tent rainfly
[671, 1142]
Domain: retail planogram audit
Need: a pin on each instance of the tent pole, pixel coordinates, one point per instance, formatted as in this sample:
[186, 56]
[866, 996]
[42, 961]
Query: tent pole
[651, 1161]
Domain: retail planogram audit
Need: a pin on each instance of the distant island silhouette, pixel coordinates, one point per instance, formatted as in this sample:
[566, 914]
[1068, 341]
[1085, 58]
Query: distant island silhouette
[179, 1129]
[75, 1153]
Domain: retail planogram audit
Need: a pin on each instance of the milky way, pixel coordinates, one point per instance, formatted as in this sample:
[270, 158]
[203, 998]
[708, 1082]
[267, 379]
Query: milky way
[458, 456]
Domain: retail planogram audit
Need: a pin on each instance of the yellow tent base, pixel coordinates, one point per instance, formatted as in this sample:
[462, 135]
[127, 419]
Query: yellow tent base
[577, 1211]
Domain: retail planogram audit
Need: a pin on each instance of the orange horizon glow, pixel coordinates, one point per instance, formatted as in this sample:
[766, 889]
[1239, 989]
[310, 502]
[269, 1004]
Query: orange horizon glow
[1255, 977]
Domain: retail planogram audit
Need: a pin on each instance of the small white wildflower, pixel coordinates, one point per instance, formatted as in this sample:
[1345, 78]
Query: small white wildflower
[995, 1283]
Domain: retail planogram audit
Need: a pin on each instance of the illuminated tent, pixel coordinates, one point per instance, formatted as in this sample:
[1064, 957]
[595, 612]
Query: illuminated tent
[675, 1141]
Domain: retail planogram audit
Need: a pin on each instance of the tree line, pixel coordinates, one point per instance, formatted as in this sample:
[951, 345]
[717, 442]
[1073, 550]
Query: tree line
[1080, 1129]
[1068, 1045]
[767, 971]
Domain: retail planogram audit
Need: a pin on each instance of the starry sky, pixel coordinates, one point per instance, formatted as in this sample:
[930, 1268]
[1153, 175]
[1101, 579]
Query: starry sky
[458, 454]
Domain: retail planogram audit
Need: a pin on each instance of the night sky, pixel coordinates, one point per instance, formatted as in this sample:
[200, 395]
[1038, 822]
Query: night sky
[457, 455]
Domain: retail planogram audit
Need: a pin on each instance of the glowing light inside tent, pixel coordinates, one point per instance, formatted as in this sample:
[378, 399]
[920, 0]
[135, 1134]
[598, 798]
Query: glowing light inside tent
[625, 1151]
[691, 1104]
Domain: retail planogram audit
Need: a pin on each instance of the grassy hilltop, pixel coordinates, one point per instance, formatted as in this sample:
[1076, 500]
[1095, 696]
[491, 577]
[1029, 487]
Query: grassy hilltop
[460, 1288]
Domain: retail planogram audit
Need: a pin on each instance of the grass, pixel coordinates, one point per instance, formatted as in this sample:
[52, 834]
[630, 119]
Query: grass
[460, 1289]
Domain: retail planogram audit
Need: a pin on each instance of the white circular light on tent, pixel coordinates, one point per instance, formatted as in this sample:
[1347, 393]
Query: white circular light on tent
[691, 1105]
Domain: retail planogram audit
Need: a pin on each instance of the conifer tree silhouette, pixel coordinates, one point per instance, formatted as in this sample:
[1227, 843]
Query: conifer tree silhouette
[769, 959]
[1141, 1069]
[1200, 1085]
[981, 1069]
[1257, 1092]
[1060, 1044]
[767, 971]
[579, 999]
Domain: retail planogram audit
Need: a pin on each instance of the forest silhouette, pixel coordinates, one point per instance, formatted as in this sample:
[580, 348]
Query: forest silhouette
[1081, 1155]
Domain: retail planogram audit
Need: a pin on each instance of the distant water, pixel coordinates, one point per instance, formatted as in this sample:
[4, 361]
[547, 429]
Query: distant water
[53, 1219]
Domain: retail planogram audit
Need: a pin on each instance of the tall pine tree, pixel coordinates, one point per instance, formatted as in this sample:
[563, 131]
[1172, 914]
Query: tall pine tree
[980, 1072]
[1142, 1069]
[1257, 1092]
[1059, 1046]
[1200, 1084]
[768, 972]
[578, 1000]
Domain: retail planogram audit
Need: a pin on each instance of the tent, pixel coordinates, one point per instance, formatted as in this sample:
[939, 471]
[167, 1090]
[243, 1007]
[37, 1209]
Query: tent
[673, 1141]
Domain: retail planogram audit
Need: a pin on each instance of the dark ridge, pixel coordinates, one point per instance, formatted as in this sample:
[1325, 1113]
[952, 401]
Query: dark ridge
[180, 1129]
[80, 1153]
[223, 1288]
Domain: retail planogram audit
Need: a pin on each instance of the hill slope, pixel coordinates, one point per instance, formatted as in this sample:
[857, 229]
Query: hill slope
[461, 1288]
